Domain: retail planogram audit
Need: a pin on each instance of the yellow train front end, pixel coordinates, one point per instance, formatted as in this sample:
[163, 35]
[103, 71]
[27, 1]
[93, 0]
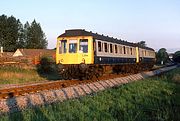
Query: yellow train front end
[73, 55]
[74, 50]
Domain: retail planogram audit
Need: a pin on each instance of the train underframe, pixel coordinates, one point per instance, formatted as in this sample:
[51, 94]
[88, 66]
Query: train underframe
[90, 71]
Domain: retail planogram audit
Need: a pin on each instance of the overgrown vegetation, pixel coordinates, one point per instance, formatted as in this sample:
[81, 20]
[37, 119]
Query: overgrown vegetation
[47, 65]
[153, 99]
[162, 56]
[176, 57]
[48, 68]
[14, 75]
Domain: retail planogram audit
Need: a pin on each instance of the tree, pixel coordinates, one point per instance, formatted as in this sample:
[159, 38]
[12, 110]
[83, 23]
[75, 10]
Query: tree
[162, 56]
[21, 40]
[10, 32]
[3, 24]
[176, 57]
[14, 35]
[142, 43]
[35, 37]
[26, 34]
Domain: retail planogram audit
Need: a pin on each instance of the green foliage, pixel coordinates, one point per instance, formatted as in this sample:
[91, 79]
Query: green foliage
[162, 56]
[47, 65]
[176, 56]
[13, 35]
[154, 99]
[35, 36]
[9, 36]
[142, 43]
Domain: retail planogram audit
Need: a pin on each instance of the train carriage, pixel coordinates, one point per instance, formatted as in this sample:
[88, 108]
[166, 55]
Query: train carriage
[83, 54]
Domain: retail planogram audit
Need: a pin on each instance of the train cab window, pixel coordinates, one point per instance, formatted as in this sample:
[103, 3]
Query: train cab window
[72, 46]
[63, 46]
[115, 47]
[99, 47]
[105, 47]
[83, 46]
[124, 49]
[111, 48]
[131, 51]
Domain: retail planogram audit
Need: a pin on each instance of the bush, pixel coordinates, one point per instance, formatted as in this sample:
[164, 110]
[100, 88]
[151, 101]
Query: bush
[176, 57]
[47, 65]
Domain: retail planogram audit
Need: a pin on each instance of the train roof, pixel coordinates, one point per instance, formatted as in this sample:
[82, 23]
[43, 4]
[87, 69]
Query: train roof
[82, 32]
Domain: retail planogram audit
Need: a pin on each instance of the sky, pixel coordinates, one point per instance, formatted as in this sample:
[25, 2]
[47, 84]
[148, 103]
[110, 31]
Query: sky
[155, 21]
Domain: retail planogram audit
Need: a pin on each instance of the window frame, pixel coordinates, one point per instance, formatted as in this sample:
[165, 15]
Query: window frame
[111, 47]
[115, 48]
[124, 50]
[73, 42]
[62, 50]
[99, 47]
[106, 47]
[84, 45]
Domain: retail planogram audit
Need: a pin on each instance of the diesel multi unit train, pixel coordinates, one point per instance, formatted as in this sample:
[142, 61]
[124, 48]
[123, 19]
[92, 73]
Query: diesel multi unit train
[83, 54]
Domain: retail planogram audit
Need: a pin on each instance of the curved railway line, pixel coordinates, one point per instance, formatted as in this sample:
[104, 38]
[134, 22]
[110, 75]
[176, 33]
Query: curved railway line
[33, 88]
[10, 92]
[14, 99]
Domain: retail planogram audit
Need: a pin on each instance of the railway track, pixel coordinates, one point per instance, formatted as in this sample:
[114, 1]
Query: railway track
[6, 93]
[62, 91]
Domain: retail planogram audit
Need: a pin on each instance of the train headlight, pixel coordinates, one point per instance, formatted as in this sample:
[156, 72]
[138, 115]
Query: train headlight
[61, 68]
[62, 60]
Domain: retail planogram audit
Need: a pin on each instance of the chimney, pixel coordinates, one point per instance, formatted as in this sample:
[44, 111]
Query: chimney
[1, 49]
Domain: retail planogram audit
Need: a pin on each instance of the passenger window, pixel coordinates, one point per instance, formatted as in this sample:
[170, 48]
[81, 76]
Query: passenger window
[72, 46]
[106, 47]
[62, 46]
[111, 48]
[131, 51]
[99, 47]
[124, 49]
[83, 46]
[116, 49]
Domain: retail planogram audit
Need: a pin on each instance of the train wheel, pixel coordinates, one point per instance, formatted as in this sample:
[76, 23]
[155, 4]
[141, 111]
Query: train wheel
[65, 75]
[89, 73]
[100, 71]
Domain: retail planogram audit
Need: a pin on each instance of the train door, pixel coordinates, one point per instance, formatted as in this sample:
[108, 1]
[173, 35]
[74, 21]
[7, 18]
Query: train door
[137, 55]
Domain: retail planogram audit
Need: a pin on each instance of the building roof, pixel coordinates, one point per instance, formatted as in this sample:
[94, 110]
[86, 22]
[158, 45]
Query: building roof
[82, 32]
[7, 54]
[36, 52]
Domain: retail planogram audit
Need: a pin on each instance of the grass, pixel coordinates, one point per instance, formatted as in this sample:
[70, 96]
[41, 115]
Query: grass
[14, 75]
[153, 99]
